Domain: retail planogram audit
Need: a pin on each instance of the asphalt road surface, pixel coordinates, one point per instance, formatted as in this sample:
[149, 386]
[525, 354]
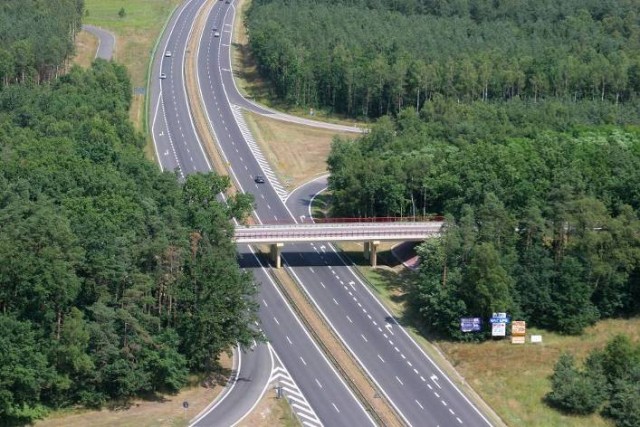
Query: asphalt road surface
[404, 373]
[106, 41]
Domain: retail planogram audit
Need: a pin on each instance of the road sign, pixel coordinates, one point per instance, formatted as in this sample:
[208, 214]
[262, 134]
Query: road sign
[470, 324]
[500, 318]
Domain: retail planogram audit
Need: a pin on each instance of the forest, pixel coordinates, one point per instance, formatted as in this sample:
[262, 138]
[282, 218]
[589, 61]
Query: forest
[368, 58]
[37, 38]
[541, 223]
[116, 280]
[539, 187]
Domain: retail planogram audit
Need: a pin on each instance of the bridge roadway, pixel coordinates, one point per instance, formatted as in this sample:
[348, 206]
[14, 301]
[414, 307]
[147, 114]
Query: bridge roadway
[347, 232]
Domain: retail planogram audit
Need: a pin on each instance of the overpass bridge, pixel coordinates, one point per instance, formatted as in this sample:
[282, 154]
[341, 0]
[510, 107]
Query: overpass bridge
[371, 233]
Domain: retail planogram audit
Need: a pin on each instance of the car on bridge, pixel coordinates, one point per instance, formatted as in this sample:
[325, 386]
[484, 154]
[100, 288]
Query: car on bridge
[259, 179]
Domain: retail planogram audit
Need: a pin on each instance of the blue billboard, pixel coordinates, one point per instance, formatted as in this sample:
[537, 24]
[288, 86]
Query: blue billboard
[470, 324]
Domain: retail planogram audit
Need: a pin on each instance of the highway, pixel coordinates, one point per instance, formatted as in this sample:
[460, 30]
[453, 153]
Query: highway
[417, 388]
[317, 393]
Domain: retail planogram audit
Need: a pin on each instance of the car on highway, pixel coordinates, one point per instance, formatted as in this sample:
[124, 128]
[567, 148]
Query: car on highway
[163, 76]
[168, 54]
[216, 34]
[259, 179]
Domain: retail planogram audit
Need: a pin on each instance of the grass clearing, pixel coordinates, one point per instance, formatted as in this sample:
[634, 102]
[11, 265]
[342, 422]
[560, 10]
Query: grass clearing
[136, 33]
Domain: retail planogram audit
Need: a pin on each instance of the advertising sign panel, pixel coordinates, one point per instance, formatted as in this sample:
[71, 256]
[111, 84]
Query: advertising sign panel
[470, 324]
[518, 328]
[499, 318]
[498, 329]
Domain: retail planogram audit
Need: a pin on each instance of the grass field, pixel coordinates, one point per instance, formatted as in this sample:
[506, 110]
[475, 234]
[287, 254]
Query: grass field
[136, 34]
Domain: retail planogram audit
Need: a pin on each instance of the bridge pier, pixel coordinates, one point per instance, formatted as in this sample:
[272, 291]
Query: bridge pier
[276, 249]
[371, 252]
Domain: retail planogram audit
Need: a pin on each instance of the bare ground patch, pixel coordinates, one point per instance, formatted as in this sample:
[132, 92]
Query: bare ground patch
[86, 47]
[271, 412]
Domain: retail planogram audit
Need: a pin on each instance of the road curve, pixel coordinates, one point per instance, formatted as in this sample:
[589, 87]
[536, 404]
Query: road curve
[237, 98]
[251, 376]
[106, 41]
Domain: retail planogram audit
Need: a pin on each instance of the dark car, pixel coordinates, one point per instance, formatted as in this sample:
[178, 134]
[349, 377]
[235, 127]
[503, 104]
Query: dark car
[259, 179]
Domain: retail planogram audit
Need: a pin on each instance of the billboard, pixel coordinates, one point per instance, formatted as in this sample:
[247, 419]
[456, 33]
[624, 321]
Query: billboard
[498, 329]
[519, 328]
[470, 324]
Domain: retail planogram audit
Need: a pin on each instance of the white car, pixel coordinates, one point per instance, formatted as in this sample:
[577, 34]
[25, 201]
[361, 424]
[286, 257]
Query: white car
[168, 54]
[163, 76]
[216, 34]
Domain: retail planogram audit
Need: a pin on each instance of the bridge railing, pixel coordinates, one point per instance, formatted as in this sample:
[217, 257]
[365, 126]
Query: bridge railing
[383, 219]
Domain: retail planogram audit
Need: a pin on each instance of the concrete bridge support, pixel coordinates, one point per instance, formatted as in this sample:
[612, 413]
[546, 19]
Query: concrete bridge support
[276, 249]
[371, 252]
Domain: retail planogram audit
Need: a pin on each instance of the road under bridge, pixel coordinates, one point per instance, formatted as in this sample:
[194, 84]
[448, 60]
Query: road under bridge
[369, 233]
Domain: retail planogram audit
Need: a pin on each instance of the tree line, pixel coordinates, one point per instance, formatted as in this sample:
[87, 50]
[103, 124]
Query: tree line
[115, 279]
[608, 381]
[37, 38]
[367, 58]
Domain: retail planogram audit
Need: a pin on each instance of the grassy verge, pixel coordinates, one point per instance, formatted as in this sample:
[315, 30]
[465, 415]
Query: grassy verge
[136, 33]
[271, 412]
[297, 153]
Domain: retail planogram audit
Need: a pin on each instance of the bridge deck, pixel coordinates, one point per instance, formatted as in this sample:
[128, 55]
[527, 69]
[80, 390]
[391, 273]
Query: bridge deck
[337, 232]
